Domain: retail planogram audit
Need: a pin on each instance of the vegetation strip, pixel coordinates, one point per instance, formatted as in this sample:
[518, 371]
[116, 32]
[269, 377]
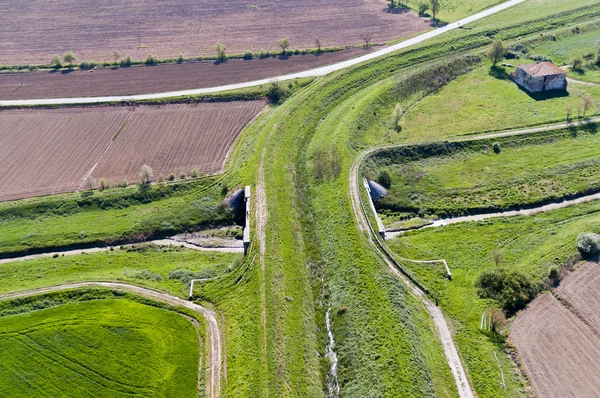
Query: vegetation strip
[213, 382]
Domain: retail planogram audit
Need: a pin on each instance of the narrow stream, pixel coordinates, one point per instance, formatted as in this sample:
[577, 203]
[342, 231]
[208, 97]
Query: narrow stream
[333, 387]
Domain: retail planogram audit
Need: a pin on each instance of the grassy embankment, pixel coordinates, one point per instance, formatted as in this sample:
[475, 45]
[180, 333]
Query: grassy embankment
[531, 244]
[115, 348]
[450, 179]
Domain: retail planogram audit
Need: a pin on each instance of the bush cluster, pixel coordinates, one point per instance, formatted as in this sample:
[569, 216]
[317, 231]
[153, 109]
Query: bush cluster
[512, 289]
[588, 243]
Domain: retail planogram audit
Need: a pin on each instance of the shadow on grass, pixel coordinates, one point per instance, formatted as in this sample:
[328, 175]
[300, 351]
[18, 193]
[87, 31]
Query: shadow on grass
[546, 95]
[498, 72]
[436, 23]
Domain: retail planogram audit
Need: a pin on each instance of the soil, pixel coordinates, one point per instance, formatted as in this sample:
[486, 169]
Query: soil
[47, 151]
[94, 30]
[159, 78]
[558, 340]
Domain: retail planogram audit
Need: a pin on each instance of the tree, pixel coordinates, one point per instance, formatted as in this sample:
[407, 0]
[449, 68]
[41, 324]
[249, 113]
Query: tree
[89, 183]
[70, 58]
[367, 38]
[145, 174]
[435, 6]
[423, 8]
[577, 64]
[56, 61]
[498, 257]
[221, 54]
[569, 111]
[496, 52]
[384, 179]
[284, 44]
[588, 243]
[587, 102]
[318, 44]
[116, 55]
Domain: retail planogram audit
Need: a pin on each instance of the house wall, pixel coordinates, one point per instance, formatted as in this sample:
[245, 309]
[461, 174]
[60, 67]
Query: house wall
[541, 83]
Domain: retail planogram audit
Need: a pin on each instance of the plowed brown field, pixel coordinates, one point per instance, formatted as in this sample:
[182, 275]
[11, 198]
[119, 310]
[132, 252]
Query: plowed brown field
[558, 342]
[95, 29]
[160, 78]
[46, 151]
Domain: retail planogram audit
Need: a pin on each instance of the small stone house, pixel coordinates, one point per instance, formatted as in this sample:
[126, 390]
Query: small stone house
[539, 77]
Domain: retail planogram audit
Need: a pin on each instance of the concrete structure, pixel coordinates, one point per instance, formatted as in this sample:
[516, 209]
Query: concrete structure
[380, 227]
[540, 77]
[247, 222]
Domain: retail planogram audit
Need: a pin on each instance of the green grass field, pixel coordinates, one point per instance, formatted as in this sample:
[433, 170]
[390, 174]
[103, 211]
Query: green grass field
[528, 170]
[104, 348]
[533, 244]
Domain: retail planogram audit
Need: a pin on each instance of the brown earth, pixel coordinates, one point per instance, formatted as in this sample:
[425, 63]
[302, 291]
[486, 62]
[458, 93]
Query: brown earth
[558, 341]
[34, 30]
[159, 78]
[47, 151]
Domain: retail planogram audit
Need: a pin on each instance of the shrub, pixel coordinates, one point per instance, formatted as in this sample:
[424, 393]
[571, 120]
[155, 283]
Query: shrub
[56, 61]
[540, 57]
[588, 243]
[512, 289]
[577, 64]
[423, 8]
[384, 179]
[171, 177]
[182, 176]
[145, 174]
[180, 58]
[151, 60]
[87, 65]
[277, 93]
[496, 147]
[342, 310]
[248, 55]
[103, 184]
[195, 173]
[221, 54]
[126, 62]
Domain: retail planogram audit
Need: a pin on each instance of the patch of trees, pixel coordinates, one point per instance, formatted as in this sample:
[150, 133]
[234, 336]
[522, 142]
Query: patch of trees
[432, 78]
[512, 289]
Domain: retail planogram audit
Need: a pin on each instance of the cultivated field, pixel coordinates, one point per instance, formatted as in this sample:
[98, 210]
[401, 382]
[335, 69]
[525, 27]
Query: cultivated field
[112, 348]
[50, 151]
[581, 290]
[95, 30]
[560, 352]
[159, 78]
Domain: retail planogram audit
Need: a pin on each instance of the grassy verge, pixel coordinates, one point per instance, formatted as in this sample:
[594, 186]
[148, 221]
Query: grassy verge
[115, 348]
[450, 179]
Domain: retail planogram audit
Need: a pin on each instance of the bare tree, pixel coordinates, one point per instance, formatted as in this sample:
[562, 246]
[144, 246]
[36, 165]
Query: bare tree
[116, 55]
[498, 257]
[367, 37]
[318, 44]
[397, 116]
[435, 6]
[569, 112]
[587, 102]
[89, 183]
[145, 174]
[496, 52]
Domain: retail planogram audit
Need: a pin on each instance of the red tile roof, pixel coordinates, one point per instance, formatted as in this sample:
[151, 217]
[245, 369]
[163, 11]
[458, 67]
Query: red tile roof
[542, 69]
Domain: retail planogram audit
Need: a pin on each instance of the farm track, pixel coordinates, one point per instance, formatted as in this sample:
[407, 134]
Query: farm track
[213, 379]
[363, 224]
[321, 71]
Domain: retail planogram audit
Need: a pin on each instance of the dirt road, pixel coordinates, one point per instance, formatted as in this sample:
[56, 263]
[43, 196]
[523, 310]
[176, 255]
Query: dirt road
[213, 369]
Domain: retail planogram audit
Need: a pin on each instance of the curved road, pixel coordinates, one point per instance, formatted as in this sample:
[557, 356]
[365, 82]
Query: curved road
[321, 71]
[213, 379]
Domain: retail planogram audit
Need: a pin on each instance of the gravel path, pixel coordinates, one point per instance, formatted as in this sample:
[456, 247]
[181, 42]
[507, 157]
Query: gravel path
[321, 71]
[213, 377]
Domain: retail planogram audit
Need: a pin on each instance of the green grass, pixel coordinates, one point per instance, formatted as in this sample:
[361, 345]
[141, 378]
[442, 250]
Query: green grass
[478, 102]
[147, 266]
[533, 244]
[453, 10]
[566, 49]
[111, 348]
[529, 170]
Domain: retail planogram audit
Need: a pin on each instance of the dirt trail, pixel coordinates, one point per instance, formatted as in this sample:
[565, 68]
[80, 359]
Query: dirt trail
[159, 242]
[213, 369]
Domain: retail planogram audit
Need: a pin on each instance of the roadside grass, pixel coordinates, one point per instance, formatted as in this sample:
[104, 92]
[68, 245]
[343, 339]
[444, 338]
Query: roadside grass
[156, 267]
[533, 244]
[112, 348]
[529, 170]
[478, 102]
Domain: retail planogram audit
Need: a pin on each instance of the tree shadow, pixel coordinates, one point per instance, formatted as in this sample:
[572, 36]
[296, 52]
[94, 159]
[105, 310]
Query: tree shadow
[589, 127]
[436, 23]
[498, 72]
[67, 71]
[397, 9]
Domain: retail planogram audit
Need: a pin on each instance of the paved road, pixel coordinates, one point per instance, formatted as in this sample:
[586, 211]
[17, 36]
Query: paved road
[321, 71]
[213, 378]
